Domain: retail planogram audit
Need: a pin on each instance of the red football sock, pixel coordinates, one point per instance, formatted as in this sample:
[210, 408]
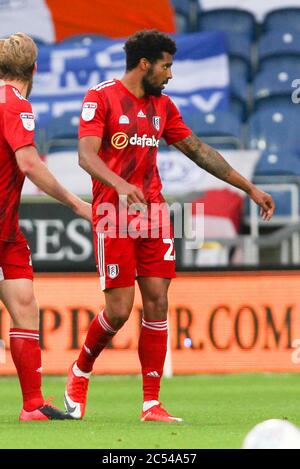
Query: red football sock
[152, 353]
[26, 354]
[98, 336]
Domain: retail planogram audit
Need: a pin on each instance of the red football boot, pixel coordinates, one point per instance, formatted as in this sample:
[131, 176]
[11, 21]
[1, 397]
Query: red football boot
[157, 413]
[76, 395]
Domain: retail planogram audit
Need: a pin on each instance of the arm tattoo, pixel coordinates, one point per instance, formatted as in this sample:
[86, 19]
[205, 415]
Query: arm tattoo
[204, 156]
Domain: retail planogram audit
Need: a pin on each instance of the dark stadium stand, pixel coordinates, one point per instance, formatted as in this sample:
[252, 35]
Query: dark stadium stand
[230, 20]
[220, 128]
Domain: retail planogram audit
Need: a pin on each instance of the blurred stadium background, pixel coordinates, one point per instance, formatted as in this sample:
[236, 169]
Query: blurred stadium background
[235, 304]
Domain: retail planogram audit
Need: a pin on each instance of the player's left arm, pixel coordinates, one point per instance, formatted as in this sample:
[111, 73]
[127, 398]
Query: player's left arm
[213, 162]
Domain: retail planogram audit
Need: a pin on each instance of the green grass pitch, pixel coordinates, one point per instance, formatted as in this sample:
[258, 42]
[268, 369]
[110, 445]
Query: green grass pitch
[218, 411]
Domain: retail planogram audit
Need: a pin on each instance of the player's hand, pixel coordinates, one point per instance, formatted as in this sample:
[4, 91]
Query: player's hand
[83, 209]
[265, 201]
[130, 194]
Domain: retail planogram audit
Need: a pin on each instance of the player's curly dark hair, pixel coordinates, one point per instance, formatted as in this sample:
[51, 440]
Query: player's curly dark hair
[148, 44]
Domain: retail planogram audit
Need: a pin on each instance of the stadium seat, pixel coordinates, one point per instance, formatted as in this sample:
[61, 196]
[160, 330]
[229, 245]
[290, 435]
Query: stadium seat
[62, 133]
[239, 46]
[230, 20]
[275, 130]
[283, 90]
[274, 103]
[274, 83]
[239, 93]
[238, 86]
[281, 163]
[281, 19]
[239, 108]
[221, 129]
[277, 64]
[279, 43]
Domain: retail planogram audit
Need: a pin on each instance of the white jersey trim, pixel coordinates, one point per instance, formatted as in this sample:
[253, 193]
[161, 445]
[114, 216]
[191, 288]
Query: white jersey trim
[102, 85]
[101, 260]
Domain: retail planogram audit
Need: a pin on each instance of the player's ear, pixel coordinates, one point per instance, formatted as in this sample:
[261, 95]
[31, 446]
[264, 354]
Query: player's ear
[145, 64]
[35, 68]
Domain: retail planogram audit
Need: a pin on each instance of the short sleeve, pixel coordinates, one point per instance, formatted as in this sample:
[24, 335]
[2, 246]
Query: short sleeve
[175, 129]
[93, 115]
[19, 124]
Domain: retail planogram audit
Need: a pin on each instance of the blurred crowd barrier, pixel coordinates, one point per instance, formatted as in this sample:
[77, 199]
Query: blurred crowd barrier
[218, 323]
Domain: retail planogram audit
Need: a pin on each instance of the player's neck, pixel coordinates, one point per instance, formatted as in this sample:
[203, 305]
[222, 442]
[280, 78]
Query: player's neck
[20, 85]
[133, 84]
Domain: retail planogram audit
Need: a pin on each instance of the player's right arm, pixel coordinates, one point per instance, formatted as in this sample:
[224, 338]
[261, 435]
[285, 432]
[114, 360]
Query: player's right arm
[89, 161]
[31, 165]
[93, 122]
[18, 129]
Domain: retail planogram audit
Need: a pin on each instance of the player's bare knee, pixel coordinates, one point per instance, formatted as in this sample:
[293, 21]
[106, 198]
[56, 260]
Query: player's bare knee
[156, 308]
[26, 309]
[119, 317]
[118, 321]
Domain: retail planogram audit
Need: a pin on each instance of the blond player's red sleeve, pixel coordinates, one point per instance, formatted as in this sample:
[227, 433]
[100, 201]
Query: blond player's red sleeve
[93, 115]
[19, 124]
[175, 129]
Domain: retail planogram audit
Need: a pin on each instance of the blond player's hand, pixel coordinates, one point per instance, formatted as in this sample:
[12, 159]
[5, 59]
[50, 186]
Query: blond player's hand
[83, 209]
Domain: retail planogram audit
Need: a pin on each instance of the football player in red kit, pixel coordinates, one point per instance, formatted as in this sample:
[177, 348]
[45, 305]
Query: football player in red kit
[122, 122]
[19, 157]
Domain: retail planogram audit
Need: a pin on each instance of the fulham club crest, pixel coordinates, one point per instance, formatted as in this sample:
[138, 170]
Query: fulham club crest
[112, 270]
[156, 122]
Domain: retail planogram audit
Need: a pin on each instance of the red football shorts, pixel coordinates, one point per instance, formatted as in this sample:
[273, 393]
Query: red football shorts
[121, 260]
[15, 260]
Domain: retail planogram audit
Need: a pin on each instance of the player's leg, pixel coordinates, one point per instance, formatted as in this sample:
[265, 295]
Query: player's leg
[118, 305]
[18, 297]
[16, 292]
[156, 267]
[153, 337]
[153, 346]
[116, 267]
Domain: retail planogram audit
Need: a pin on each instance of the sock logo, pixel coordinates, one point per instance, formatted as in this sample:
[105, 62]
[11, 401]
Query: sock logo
[153, 374]
[87, 350]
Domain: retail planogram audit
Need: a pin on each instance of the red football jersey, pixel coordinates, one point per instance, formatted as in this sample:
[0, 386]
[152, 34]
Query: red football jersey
[130, 129]
[16, 131]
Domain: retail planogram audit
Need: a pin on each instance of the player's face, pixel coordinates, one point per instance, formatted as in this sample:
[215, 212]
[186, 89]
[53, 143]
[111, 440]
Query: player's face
[158, 75]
